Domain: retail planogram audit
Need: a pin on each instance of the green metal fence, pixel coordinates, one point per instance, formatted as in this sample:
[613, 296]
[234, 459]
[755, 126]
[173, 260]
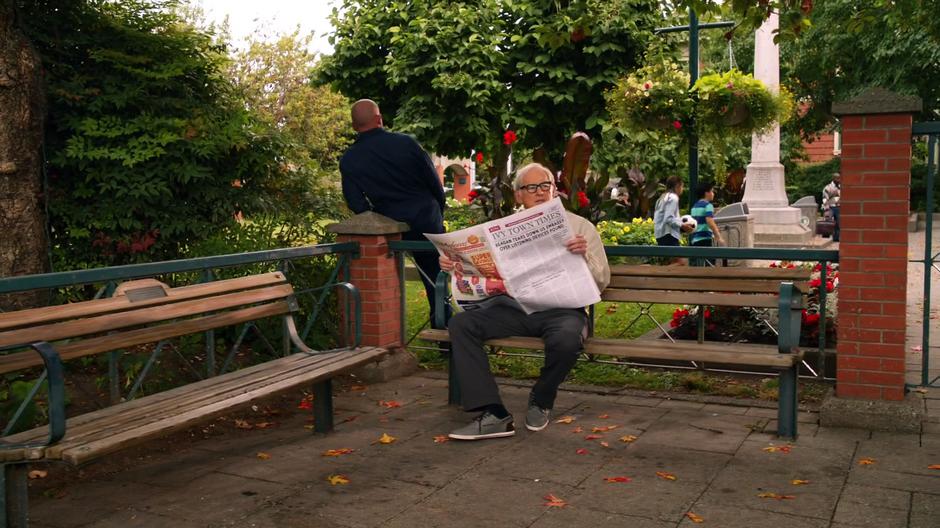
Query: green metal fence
[929, 260]
[643, 253]
[326, 262]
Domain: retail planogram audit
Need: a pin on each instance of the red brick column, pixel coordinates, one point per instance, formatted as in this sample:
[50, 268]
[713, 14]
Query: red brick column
[375, 274]
[876, 177]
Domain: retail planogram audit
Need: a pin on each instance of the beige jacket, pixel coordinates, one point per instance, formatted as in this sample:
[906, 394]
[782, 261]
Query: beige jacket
[596, 257]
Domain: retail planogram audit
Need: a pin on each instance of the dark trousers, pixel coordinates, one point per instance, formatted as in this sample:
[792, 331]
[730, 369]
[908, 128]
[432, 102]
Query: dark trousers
[835, 221]
[705, 242]
[429, 266]
[562, 329]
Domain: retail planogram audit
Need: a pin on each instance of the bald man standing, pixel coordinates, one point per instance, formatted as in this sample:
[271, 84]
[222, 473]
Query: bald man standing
[391, 174]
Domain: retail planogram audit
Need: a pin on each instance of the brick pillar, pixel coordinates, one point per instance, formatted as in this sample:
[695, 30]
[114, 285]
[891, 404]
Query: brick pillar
[876, 177]
[375, 273]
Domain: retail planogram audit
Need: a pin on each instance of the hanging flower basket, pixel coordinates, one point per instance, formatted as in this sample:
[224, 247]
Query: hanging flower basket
[735, 102]
[654, 97]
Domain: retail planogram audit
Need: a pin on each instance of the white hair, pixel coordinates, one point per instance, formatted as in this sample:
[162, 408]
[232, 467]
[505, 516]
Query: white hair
[521, 174]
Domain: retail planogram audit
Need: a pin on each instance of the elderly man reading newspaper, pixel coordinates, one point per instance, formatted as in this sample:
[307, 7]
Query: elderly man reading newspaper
[562, 328]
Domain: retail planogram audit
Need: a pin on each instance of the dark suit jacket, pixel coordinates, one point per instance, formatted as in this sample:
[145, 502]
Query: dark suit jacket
[391, 174]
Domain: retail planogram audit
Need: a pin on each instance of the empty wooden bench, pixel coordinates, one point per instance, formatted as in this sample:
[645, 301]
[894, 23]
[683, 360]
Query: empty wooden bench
[776, 288]
[141, 312]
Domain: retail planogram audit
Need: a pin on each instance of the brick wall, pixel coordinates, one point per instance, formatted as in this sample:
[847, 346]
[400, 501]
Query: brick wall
[876, 160]
[375, 273]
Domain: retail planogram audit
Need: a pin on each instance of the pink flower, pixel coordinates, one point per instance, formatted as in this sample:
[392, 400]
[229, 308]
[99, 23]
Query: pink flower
[730, 85]
[647, 85]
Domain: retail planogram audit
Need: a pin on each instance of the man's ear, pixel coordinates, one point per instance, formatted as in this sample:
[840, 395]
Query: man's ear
[518, 196]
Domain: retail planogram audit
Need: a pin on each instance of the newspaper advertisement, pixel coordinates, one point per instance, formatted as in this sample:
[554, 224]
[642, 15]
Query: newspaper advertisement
[523, 254]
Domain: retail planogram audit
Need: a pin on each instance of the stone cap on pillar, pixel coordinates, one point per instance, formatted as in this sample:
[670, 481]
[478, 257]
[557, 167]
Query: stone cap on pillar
[368, 223]
[879, 101]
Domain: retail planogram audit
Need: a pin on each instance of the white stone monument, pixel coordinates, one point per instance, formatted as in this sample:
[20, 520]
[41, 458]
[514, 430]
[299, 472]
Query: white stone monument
[776, 224]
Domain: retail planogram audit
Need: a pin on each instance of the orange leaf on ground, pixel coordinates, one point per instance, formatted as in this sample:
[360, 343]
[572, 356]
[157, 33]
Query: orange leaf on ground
[263, 456]
[785, 449]
[604, 416]
[338, 479]
[866, 461]
[440, 439]
[265, 425]
[666, 476]
[337, 452]
[391, 404]
[933, 466]
[577, 430]
[799, 482]
[612, 309]
[582, 451]
[565, 419]
[554, 502]
[628, 438]
[592, 437]
[242, 424]
[604, 444]
[770, 495]
[617, 479]
[386, 439]
[358, 388]
[604, 429]
[694, 518]
[37, 474]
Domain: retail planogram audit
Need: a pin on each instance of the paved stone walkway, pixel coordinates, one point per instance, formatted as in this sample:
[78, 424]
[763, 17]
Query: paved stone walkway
[717, 453]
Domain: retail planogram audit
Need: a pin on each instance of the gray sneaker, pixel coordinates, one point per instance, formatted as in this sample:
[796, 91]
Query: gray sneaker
[485, 426]
[536, 418]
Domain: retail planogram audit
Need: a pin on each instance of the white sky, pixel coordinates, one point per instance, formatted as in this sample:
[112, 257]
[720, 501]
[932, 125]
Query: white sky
[277, 16]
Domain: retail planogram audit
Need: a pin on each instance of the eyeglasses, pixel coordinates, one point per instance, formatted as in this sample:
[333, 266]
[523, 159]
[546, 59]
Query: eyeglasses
[532, 188]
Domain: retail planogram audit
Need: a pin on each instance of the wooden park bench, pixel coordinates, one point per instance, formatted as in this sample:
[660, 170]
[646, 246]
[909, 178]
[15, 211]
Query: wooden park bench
[141, 312]
[775, 288]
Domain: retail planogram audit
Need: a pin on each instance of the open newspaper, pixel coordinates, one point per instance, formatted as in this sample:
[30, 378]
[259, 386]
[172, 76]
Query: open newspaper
[523, 254]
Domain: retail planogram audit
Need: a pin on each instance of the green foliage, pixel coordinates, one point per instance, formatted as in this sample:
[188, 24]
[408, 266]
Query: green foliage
[809, 180]
[459, 215]
[637, 232]
[655, 96]
[736, 103]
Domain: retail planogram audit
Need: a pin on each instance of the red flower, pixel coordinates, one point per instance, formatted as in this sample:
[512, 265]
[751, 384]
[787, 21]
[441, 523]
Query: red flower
[773, 264]
[707, 314]
[509, 137]
[830, 286]
[479, 157]
[472, 195]
[815, 283]
[583, 199]
[677, 125]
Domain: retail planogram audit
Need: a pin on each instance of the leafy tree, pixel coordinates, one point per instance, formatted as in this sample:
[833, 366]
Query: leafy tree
[149, 147]
[458, 74]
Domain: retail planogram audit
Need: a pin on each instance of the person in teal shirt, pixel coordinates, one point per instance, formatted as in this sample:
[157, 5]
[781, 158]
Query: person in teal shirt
[706, 232]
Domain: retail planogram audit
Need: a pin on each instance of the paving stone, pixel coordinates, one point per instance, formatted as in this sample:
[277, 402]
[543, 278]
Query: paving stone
[698, 431]
[569, 517]
[720, 515]
[868, 515]
[637, 401]
[88, 502]
[681, 404]
[873, 476]
[925, 510]
[724, 409]
[124, 519]
[876, 497]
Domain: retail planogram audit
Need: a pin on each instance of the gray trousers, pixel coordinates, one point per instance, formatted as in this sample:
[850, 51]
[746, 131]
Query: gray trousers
[562, 329]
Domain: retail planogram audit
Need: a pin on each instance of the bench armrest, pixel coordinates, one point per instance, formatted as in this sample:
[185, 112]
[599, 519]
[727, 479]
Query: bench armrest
[56, 395]
[353, 292]
[791, 302]
[440, 300]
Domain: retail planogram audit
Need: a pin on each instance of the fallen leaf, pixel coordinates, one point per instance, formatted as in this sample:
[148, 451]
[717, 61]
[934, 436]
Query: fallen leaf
[358, 388]
[338, 479]
[917, 348]
[37, 474]
[866, 461]
[577, 429]
[582, 451]
[392, 404]
[554, 502]
[799, 482]
[612, 309]
[604, 444]
[694, 518]
[770, 495]
[309, 426]
[666, 476]
[785, 449]
[337, 452]
[440, 439]
[617, 479]
[565, 419]
[386, 439]
[242, 424]
[628, 438]
[264, 425]
[592, 437]
[604, 416]
[933, 466]
[604, 429]
[305, 405]
[263, 456]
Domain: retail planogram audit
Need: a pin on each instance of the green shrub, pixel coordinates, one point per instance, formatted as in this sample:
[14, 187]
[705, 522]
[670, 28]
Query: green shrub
[809, 180]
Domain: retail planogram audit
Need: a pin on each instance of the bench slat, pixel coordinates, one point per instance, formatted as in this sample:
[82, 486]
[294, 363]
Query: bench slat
[679, 297]
[49, 314]
[81, 453]
[645, 270]
[702, 284]
[731, 353]
[115, 321]
[95, 345]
